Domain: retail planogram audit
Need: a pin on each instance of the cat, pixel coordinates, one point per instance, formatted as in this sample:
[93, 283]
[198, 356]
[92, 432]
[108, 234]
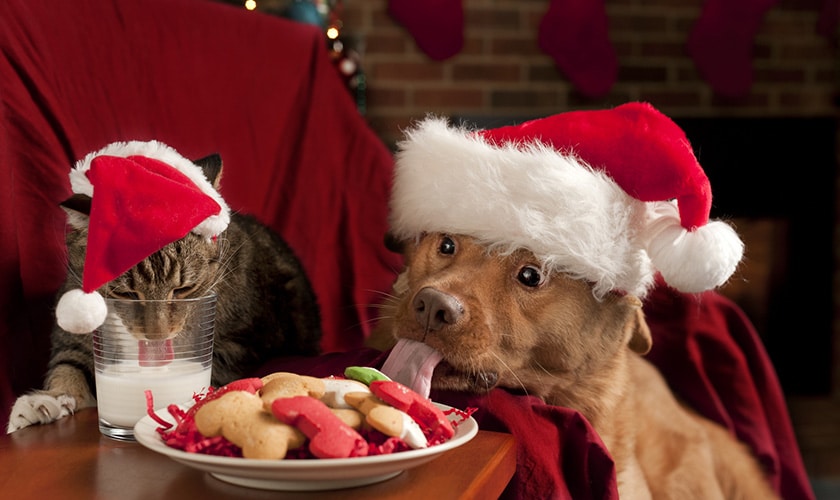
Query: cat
[265, 306]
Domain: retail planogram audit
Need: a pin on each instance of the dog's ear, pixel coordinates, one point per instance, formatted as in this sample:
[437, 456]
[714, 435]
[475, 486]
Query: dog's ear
[393, 243]
[640, 338]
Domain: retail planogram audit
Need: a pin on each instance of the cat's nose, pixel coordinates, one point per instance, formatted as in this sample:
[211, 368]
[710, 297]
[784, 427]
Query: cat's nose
[434, 309]
[158, 324]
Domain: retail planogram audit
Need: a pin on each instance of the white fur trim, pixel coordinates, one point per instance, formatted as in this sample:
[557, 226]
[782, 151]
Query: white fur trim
[575, 219]
[692, 261]
[210, 227]
[80, 312]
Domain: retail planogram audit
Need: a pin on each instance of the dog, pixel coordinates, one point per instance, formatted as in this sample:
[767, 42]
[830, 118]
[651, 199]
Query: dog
[498, 320]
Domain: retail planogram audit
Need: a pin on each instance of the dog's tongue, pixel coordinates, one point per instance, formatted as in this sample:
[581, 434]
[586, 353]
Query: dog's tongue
[155, 352]
[412, 363]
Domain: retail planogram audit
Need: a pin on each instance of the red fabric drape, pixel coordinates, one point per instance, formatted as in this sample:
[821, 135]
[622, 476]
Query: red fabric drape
[202, 77]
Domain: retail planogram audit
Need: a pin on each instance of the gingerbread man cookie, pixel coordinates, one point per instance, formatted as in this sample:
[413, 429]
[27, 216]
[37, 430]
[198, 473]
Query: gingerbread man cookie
[239, 417]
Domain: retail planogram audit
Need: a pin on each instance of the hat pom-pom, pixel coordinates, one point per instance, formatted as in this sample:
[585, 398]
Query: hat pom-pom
[80, 312]
[213, 225]
[697, 260]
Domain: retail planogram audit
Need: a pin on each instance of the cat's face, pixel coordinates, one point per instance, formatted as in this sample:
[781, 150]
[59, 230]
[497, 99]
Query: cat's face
[185, 269]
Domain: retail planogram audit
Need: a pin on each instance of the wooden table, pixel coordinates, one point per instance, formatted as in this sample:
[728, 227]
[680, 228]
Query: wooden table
[70, 459]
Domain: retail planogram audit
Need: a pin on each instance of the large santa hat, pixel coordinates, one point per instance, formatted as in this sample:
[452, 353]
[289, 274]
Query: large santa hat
[608, 196]
[144, 196]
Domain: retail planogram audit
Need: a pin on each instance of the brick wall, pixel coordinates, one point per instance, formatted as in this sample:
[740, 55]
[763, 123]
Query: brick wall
[501, 72]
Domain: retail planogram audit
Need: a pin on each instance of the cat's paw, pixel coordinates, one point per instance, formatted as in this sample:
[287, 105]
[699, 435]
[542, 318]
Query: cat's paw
[39, 408]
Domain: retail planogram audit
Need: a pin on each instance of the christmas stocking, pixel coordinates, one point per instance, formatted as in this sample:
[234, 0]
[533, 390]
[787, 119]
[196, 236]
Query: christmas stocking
[829, 20]
[574, 34]
[436, 25]
[721, 43]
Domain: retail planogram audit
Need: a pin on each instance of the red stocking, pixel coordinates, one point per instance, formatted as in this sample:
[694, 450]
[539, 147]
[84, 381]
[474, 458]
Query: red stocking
[574, 34]
[829, 19]
[721, 43]
[436, 25]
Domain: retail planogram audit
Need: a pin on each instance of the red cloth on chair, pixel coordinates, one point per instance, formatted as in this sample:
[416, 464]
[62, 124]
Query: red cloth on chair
[712, 357]
[203, 77]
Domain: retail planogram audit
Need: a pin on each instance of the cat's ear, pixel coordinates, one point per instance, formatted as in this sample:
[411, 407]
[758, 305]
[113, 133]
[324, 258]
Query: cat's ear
[78, 210]
[211, 165]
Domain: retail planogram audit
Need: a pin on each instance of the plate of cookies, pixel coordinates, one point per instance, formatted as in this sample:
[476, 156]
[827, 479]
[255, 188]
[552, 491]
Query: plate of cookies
[293, 432]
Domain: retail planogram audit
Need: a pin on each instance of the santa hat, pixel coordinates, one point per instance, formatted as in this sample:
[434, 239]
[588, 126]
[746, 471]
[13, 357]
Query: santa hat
[144, 196]
[608, 196]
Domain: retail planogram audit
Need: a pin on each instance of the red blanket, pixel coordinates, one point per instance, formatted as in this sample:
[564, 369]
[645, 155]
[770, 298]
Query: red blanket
[709, 353]
[202, 77]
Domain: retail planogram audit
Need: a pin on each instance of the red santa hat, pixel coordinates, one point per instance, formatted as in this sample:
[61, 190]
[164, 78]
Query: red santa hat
[144, 196]
[609, 196]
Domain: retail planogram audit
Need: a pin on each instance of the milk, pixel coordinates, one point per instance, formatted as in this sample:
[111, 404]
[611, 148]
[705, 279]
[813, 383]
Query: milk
[120, 389]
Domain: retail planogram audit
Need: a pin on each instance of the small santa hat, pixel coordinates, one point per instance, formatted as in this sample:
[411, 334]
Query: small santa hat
[144, 196]
[608, 196]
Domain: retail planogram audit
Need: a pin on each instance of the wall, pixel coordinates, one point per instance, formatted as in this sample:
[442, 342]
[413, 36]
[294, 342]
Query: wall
[501, 72]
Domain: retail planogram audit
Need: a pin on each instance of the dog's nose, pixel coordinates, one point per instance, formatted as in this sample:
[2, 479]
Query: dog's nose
[435, 309]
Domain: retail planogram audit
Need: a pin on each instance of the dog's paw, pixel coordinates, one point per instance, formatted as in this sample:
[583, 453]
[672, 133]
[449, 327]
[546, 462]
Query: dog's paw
[39, 408]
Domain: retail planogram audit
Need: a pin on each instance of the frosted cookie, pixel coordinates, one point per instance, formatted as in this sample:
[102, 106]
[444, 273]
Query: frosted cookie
[240, 418]
[364, 374]
[329, 437]
[387, 419]
[336, 388]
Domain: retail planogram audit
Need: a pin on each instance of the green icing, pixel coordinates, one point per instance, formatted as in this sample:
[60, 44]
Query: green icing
[364, 374]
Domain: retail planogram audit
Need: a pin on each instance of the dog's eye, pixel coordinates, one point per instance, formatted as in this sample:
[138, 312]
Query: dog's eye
[447, 246]
[530, 276]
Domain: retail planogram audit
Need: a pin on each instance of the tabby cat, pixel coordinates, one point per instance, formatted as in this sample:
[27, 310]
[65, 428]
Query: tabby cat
[265, 304]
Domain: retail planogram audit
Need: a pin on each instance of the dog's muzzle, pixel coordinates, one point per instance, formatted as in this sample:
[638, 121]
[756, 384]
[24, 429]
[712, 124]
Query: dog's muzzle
[434, 309]
[484, 381]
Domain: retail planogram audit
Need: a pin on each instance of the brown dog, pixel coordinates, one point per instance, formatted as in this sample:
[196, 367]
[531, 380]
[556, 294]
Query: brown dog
[498, 320]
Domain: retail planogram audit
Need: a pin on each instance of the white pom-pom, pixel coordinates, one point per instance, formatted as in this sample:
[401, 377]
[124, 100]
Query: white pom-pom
[213, 225]
[698, 260]
[80, 312]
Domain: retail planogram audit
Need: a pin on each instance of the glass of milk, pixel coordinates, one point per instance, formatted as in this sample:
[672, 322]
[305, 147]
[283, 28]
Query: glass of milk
[164, 346]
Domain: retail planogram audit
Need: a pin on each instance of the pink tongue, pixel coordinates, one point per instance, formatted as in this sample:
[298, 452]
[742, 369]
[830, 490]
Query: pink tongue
[412, 363]
[155, 352]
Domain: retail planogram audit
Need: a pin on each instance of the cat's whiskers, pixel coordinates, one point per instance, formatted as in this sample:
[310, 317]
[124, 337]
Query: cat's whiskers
[227, 262]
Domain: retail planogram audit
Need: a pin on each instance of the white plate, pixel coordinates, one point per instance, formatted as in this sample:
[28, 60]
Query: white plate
[303, 475]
